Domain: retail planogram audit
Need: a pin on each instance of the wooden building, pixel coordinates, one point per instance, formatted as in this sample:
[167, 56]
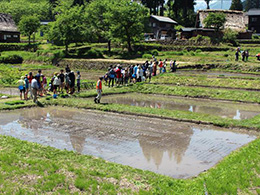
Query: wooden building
[162, 28]
[254, 20]
[8, 30]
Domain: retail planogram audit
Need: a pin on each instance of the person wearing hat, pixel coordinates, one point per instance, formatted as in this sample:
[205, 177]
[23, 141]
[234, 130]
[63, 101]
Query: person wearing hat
[99, 90]
[21, 87]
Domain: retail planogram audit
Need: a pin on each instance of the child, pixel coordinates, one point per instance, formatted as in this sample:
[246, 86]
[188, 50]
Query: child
[21, 87]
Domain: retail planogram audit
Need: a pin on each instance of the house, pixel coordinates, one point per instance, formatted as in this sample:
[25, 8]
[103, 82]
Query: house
[187, 33]
[254, 20]
[235, 20]
[161, 28]
[8, 30]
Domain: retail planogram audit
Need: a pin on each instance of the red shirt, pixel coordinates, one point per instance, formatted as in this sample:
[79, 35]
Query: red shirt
[118, 73]
[99, 85]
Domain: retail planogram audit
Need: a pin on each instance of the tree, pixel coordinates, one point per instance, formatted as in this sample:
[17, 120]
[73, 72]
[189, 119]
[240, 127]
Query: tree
[182, 11]
[98, 13]
[215, 20]
[249, 4]
[207, 2]
[236, 5]
[69, 27]
[29, 25]
[127, 22]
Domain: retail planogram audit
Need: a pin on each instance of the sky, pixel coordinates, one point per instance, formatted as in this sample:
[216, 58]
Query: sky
[214, 4]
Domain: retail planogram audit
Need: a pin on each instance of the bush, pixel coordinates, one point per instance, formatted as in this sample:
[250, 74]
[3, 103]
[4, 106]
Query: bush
[226, 55]
[200, 38]
[230, 36]
[147, 56]
[155, 52]
[11, 59]
[93, 53]
[255, 37]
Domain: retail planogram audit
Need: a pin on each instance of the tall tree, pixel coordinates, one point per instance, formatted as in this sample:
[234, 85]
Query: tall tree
[182, 11]
[236, 5]
[207, 2]
[249, 4]
[69, 27]
[127, 22]
[29, 25]
[98, 13]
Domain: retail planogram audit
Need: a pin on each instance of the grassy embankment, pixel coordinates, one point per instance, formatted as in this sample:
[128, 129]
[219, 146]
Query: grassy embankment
[203, 80]
[32, 168]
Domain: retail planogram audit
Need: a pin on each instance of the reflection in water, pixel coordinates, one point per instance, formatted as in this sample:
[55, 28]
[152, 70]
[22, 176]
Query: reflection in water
[238, 115]
[225, 110]
[172, 148]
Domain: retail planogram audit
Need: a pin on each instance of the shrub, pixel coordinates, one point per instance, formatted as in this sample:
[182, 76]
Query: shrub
[199, 39]
[147, 56]
[11, 59]
[230, 37]
[255, 37]
[93, 53]
[155, 52]
[226, 55]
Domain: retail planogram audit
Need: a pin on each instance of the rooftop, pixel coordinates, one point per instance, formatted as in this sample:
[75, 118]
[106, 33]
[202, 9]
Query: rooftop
[253, 12]
[7, 23]
[164, 19]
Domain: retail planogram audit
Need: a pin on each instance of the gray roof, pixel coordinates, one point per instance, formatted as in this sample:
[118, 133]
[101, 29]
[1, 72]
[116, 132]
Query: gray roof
[253, 12]
[7, 23]
[196, 29]
[164, 19]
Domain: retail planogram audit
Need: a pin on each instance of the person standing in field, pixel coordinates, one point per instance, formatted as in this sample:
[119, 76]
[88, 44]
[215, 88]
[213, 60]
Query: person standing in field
[26, 81]
[78, 81]
[99, 90]
[35, 87]
[30, 77]
[21, 87]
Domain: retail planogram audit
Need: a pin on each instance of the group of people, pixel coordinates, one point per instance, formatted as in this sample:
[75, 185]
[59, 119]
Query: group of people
[36, 85]
[244, 54]
[117, 75]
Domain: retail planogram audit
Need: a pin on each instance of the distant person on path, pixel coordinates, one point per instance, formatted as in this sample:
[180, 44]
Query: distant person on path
[111, 78]
[21, 87]
[161, 66]
[35, 88]
[243, 55]
[155, 68]
[67, 69]
[62, 80]
[164, 65]
[26, 87]
[246, 54]
[30, 77]
[78, 80]
[72, 79]
[99, 90]
[174, 66]
[237, 53]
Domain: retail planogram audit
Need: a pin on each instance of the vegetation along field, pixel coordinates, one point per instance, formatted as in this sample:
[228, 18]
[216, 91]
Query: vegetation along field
[190, 131]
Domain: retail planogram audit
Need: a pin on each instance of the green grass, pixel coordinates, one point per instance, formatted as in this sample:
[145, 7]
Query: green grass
[203, 80]
[31, 168]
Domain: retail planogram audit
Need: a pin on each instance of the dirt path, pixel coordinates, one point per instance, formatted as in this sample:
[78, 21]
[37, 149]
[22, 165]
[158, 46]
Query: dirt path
[121, 61]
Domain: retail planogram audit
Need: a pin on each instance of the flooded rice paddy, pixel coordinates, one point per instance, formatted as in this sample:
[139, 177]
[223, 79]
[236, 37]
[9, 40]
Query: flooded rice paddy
[234, 110]
[179, 150]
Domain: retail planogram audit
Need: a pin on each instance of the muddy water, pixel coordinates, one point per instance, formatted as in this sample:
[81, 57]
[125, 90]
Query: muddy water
[180, 150]
[215, 73]
[232, 110]
[10, 91]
